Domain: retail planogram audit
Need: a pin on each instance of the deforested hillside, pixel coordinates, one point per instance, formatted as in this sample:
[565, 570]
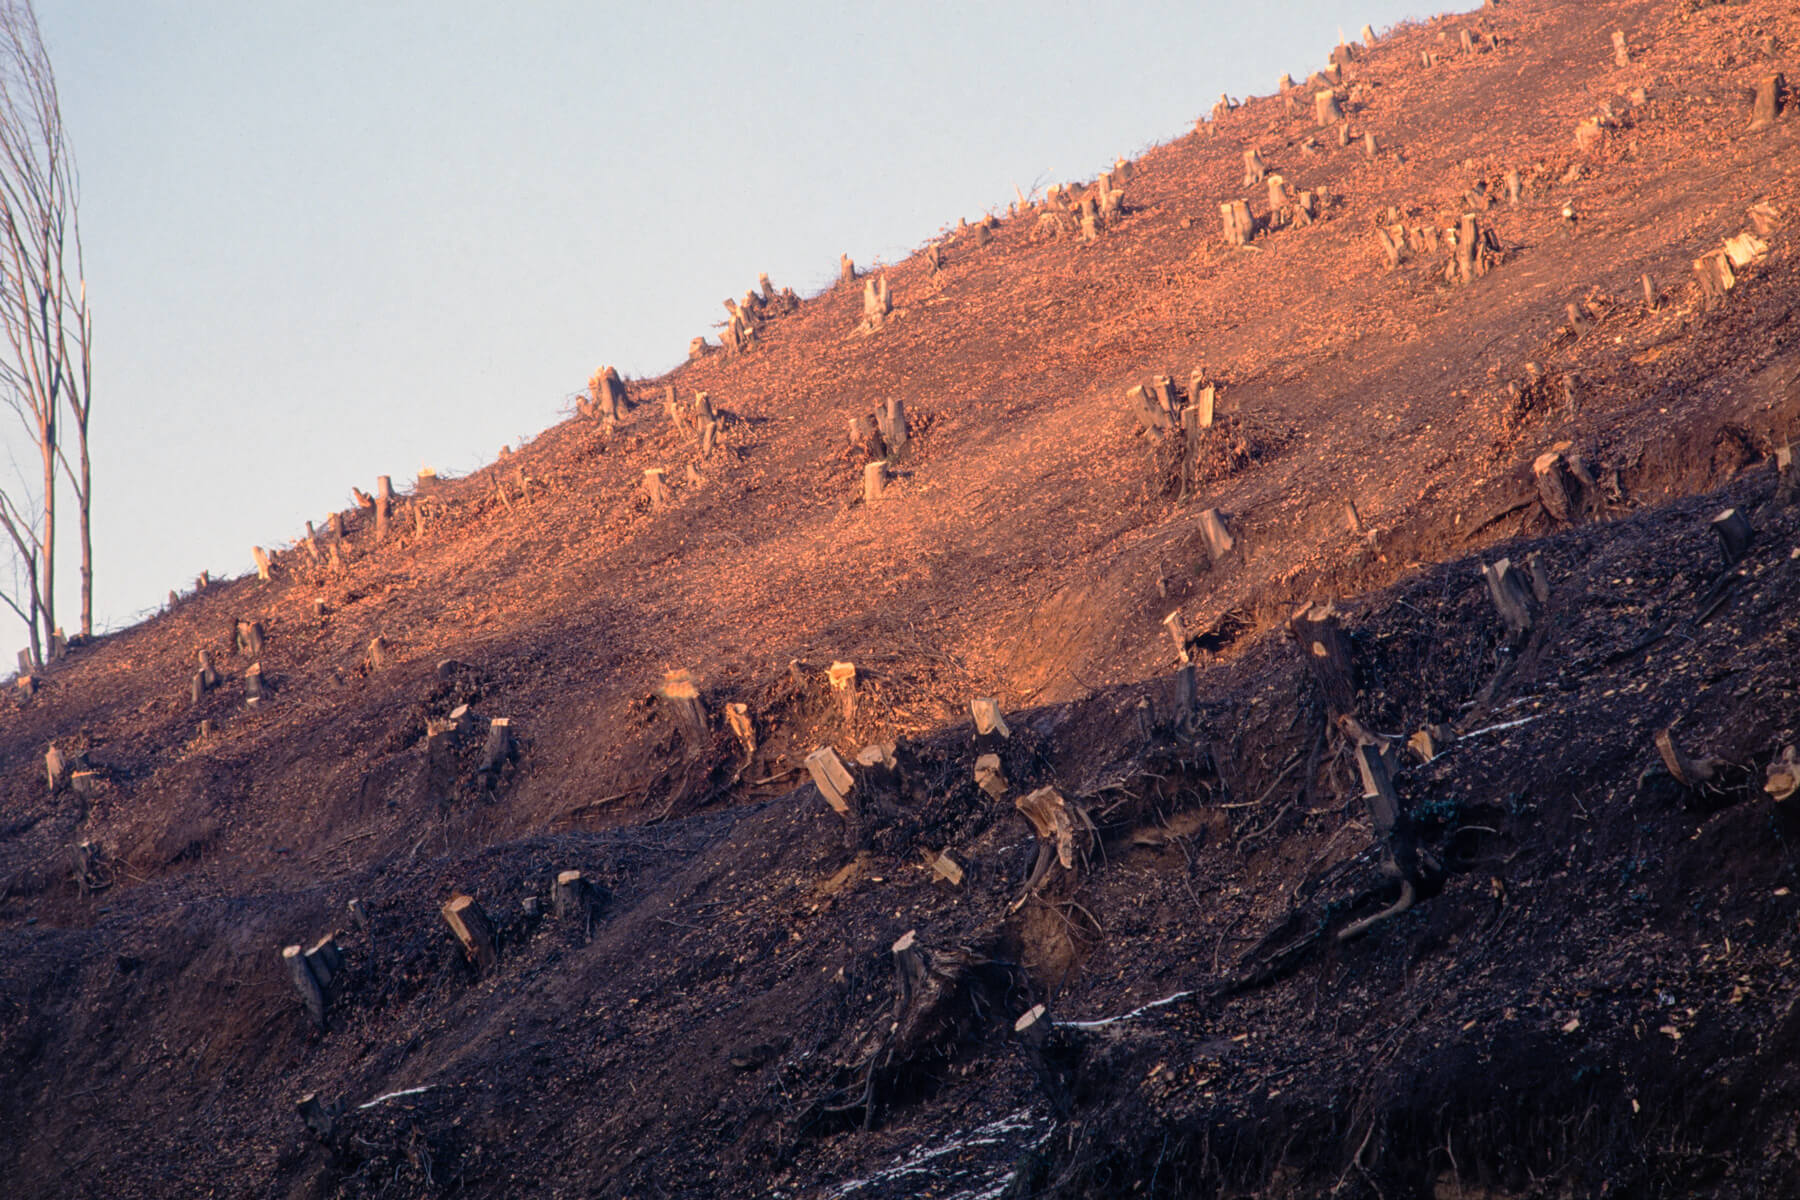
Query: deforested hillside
[1372, 520]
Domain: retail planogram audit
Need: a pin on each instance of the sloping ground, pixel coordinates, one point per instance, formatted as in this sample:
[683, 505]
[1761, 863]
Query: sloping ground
[1599, 999]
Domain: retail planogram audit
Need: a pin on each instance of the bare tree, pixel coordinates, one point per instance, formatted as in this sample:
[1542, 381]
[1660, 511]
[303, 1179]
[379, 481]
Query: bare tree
[45, 327]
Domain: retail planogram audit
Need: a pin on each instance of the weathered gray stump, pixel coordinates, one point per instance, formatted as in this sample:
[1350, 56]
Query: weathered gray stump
[1239, 225]
[1326, 110]
[56, 769]
[1219, 541]
[891, 422]
[1564, 485]
[1254, 168]
[656, 488]
[248, 637]
[263, 565]
[472, 930]
[500, 748]
[311, 545]
[209, 678]
[1392, 245]
[1716, 278]
[865, 435]
[1513, 598]
[300, 973]
[319, 1118]
[846, 269]
[572, 896]
[1735, 535]
[254, 690]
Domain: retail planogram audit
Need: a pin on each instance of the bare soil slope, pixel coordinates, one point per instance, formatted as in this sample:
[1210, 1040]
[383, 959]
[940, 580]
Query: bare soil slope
[1599, 998]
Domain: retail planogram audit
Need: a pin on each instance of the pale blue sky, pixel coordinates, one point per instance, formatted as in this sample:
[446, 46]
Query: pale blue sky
[328, 240]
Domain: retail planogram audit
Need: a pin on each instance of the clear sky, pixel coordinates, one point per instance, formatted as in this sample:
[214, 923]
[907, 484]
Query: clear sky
[331, 240]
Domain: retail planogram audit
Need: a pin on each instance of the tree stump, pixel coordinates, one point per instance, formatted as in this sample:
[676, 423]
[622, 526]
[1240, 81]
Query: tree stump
[865, 435]
[56, 769]
[248, 638]
[1472, 240]
[1368, 36]
[300, 974]
[878, 305]
[1178, 633]
[326, 962]
[842, 678]
[737, 716]
[319, 1118]
[1650, 293]
[572, 896]
[1512, 596]
[1059, 826]
[1563, 485]
[1514, 186]
[989, 776]
[682, 697]
[1327, 654]
[1219, 541]
[846, 269]
[1150, 415]
[500, 748]
[656, 489]
[1254, 167]
[254, 690]
[832, 779]
[1202, 396]
[1621, 52]
[986, 713]
[1326, 110]
[336, 524]
[1735, 535]
[1392, 244]
[472, 930]
[384, 504]
[1239, 226]
[1767, 104]
[891, 423]
[263, 565]
[375, 656]
[209, 678]
[1716, 278]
